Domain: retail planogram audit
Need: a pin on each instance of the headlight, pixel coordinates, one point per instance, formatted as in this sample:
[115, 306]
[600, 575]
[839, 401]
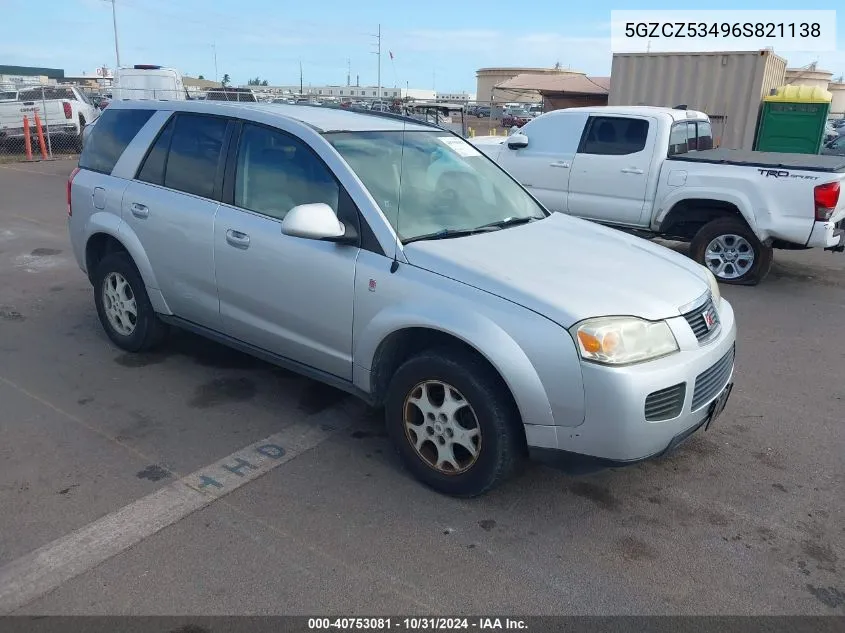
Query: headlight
[623, 340]
[714, 288]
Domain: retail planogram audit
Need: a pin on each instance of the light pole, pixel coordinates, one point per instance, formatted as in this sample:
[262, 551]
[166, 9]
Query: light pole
[378, 52]
[114, 22]
[214, 50]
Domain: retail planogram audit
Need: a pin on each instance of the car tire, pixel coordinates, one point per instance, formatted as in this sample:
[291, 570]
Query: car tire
[744, 259]
[500, 441]
[118, 289]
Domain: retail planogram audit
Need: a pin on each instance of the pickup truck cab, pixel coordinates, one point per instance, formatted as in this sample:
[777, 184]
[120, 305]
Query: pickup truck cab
[653, 170]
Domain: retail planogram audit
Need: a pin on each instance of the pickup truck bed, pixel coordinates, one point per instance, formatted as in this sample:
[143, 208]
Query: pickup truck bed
[771, 160]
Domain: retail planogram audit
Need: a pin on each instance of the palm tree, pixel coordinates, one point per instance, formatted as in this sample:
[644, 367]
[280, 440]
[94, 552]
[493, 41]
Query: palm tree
[226, 79]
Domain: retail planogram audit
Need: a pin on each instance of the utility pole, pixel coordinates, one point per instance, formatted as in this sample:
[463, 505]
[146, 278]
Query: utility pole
[214, 50]
[348, 72]
[300, 77]
[378, 52]
[114, 22]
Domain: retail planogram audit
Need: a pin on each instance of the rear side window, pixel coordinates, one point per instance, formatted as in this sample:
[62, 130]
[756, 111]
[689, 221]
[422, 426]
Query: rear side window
[679, 137]
[152, 170]
[194, 155]
[112, 134]
[614, 136]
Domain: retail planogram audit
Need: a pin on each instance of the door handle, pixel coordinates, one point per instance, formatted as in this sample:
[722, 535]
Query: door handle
[632, 170]
[139, 210]
[560, 163]
[237, 239]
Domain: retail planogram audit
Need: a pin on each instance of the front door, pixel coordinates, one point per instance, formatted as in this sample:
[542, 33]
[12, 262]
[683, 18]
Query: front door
[287, 295]
[544, 166]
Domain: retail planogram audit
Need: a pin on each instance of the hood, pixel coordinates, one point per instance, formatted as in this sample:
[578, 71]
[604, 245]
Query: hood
[568, 269]
[486, 140]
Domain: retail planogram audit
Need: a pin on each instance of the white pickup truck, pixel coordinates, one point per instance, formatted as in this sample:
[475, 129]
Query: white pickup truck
[653, 170]
[65, 110]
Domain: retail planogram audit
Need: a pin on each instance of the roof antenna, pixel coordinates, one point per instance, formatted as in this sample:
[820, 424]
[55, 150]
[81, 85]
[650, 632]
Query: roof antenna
[394, 266]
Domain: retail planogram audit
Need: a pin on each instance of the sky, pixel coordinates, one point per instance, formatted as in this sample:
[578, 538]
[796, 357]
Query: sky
[434, 44]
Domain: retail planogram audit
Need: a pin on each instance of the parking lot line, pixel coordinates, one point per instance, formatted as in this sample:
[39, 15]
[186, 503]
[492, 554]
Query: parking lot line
[33, 171]
[46, 568]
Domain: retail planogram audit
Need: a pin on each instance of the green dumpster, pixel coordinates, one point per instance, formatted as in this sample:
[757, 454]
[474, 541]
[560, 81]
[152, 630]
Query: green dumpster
[793, 119]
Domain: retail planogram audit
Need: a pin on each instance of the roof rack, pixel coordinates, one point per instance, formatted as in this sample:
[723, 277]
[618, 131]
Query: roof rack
[401, 117]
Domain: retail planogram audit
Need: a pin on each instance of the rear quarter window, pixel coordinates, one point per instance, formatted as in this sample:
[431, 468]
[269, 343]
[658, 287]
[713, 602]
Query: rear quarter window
[112, 134]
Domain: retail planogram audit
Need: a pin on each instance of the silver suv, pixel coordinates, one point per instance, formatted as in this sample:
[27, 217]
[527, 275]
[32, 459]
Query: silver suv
[391, 259]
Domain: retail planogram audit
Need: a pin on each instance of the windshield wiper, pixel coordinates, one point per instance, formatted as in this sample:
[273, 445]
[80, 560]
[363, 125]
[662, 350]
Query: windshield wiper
[445, 234]
[501, 224]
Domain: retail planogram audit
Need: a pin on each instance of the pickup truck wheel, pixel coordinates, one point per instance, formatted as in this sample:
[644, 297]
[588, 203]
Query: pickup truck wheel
[123, 306]
[729, 248]
[453, 423]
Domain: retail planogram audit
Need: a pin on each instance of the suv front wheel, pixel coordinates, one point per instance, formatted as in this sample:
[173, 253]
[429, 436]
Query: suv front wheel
[453, 422]
[123, 305]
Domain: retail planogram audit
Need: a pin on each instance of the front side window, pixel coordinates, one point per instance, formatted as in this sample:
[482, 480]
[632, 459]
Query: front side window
[276, 172]
[194, 154]
[112, 134]
[615, 136]
[427, 182]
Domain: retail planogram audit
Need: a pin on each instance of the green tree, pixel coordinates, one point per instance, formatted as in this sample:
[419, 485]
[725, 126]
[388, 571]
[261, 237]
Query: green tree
[200, 77]
[226, 79]
[265, 83]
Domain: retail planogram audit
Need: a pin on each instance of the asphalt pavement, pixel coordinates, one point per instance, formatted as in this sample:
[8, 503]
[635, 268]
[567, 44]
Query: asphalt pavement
[105, 462]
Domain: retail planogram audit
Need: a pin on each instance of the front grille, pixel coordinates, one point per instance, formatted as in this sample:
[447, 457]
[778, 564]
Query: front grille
[666, 403]
[698, 322]
[711, 381]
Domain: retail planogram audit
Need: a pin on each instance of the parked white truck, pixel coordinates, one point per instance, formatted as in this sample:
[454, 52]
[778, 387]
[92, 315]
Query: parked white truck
[64, 110]
[653, 170]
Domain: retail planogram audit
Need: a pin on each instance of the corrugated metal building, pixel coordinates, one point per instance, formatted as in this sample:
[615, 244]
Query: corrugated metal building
[727, 86]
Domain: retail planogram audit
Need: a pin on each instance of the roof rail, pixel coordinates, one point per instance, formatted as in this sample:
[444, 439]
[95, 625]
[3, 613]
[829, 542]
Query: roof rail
[400, 117]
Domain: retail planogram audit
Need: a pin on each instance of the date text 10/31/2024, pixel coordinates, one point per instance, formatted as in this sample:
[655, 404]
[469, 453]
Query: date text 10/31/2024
[416, 624]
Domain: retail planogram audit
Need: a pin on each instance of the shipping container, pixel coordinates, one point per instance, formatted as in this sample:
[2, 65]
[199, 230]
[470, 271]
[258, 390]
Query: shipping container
[728, 86]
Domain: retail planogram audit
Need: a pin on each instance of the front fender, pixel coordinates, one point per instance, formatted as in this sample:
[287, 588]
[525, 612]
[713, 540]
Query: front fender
[474, 329]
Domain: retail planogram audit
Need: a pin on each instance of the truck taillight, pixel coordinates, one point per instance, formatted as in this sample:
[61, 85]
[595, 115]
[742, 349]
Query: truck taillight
[826, 198]
[69, 185]
[68, 110]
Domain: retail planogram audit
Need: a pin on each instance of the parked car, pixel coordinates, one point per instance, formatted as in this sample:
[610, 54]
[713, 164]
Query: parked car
[653, 170]
[483, 111]
[65, 110]
[489, 328]
[830, 132]
[516, 118]
[227, 93]
[8, 95]
[835, 147]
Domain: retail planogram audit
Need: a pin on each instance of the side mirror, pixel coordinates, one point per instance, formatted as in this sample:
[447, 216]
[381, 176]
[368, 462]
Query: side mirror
[517, 141]
[314, 221]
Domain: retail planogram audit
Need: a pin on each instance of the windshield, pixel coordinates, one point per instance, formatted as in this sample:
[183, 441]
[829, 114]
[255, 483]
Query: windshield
[436, 182]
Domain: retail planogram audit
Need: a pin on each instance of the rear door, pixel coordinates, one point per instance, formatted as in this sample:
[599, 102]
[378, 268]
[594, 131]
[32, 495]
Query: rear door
[610, 173]
[171, 206]
[544, 166]
[94, 189]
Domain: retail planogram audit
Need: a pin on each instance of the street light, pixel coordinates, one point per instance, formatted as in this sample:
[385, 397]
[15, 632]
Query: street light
[114, 22]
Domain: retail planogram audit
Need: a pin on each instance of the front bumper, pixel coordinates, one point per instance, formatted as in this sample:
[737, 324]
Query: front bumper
[615, 425]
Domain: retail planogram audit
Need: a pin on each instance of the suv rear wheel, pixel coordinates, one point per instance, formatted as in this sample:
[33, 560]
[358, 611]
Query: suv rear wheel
[123, 305]
[729, 248]
[453, 423]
